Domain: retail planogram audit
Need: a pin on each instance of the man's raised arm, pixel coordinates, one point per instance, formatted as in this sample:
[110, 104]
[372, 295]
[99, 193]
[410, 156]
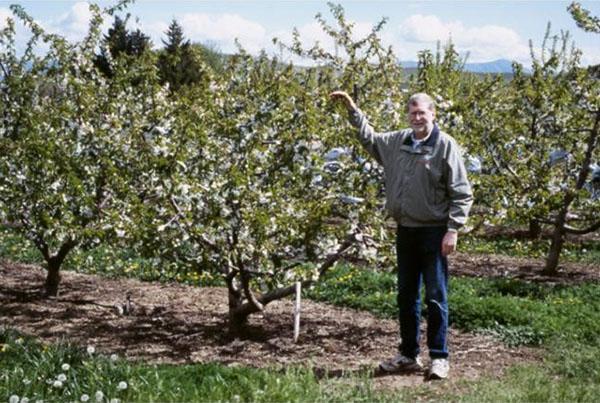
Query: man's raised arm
[366, 134]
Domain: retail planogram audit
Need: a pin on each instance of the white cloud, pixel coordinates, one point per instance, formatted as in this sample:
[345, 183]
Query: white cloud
[77, 19]
[589, 56]
[4, 14]
[73, 24]
[222, 29]
[483, 43]
[426, 28]
[155, 30]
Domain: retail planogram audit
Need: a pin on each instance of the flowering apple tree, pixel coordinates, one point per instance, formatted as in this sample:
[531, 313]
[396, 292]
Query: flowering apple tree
[69, 140]
[265, 183]
[540, 135]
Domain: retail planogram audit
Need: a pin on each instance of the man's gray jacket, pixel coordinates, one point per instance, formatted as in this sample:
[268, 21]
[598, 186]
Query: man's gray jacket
[425, 186]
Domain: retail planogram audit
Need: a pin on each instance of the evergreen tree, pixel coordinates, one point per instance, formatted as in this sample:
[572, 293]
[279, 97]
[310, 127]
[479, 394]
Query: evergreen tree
[119, 42]
[175, 38]
[178, 63]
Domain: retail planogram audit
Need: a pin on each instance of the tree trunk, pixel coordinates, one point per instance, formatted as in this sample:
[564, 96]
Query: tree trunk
[52, 278]
[558, 235]
[239, 311]
[558, 240]
[237, 321]
[535, 229]
[54, 263]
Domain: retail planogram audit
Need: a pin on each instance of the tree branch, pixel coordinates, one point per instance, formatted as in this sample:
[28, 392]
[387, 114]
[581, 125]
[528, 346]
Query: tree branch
[230, 286]
[591, 145]
[279, 293]
[503, 166]
[11, 224]
[582, 231]
[65, 248]
[245, 277]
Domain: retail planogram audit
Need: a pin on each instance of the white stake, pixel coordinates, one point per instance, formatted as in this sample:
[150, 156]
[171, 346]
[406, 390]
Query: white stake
[297, 312]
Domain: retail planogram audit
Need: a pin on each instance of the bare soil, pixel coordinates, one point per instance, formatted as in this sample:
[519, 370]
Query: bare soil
[174, 323]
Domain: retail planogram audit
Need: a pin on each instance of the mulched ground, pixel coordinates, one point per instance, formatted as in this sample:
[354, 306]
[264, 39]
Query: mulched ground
[525, 269]
[174, 323]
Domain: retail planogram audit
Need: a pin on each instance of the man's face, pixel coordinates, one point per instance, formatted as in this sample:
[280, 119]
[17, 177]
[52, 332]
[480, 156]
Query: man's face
[420, 118]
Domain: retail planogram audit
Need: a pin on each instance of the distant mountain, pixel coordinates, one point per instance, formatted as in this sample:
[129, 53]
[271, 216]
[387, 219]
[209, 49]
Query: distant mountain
[495, 66]
[500, 66]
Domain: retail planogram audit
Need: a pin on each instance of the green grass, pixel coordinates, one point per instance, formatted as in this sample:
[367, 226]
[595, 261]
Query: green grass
[536, 313]
[31, 370]
[529, 383]
[17, 249]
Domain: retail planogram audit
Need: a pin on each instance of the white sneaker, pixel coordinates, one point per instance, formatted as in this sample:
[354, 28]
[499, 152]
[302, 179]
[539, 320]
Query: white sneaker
[401, 363]
[439, 368]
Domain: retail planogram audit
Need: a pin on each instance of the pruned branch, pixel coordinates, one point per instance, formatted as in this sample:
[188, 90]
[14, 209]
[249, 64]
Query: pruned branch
[583, 231]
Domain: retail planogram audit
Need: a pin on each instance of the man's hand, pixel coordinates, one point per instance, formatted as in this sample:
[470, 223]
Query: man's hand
[345, 98]
[449, 243]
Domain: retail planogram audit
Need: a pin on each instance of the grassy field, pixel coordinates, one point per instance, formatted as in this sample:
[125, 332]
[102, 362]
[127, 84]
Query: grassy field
[562, 320]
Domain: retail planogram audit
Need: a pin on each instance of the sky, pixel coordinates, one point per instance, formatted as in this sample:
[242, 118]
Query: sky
[485, 30]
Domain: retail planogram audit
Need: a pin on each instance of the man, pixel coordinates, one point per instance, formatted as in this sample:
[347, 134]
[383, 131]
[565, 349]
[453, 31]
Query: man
[429, 196]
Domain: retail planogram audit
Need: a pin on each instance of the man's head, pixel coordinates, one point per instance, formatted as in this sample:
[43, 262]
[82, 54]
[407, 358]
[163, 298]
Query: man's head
[421, 114]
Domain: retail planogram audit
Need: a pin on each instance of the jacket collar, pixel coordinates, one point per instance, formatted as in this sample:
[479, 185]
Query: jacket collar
[427, 145]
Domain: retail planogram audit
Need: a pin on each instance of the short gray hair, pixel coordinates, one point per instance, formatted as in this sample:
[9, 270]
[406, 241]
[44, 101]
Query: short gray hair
[421, 97]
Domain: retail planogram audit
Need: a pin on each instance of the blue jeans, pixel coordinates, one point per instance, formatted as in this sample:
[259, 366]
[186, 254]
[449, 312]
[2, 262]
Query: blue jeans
[419, 252]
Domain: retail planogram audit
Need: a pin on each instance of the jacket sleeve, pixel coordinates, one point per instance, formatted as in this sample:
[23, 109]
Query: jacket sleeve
[368, 137]
[459, 189]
